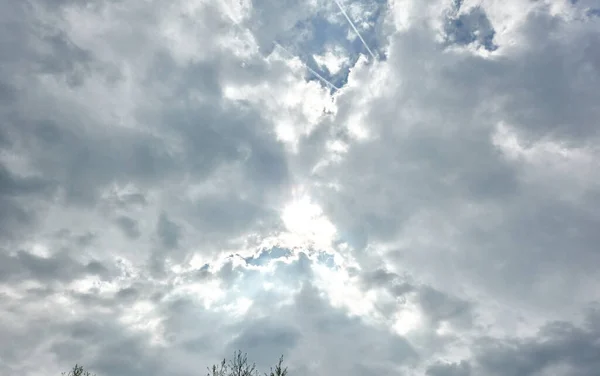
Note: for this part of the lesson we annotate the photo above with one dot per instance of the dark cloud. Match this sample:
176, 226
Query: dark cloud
168, 231
128, 293
441, 307
129, 226
7, 93
265, 340
449, 369
15, 192
331, 328
59, 267
558, 346
551, 80
13, 217
119, 351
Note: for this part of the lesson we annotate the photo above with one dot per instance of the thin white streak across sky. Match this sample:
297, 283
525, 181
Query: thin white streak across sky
309, 68
323, 79
355, 29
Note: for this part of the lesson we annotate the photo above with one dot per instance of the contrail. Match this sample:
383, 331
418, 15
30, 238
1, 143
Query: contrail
290, 54
355, 29
309, 68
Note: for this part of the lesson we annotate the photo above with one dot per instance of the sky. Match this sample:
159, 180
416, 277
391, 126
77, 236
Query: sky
366, 187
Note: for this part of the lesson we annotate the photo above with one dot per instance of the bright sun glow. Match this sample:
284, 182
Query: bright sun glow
407, 319
306, 221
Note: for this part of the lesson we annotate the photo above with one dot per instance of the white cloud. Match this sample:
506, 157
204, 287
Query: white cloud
172, 187
333, 59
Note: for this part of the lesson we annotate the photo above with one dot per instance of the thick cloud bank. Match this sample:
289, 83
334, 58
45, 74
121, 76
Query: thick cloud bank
179, 179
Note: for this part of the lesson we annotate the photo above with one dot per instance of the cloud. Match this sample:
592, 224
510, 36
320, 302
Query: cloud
167, 231
449, 369
405, 186
173, 188
559, 348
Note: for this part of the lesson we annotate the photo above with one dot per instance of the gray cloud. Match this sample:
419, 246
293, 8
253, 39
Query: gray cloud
118, 354
128, 226
427, 162
148, 154
167, 231
449, 369
560, 348
265, 340
58, 268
